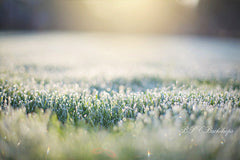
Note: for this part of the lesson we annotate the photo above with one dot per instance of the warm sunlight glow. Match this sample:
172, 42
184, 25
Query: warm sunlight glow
190, 3
127, 15
124, 15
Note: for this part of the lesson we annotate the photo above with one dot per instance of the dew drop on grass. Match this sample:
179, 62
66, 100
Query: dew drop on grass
48, 150
149, 153
18, 144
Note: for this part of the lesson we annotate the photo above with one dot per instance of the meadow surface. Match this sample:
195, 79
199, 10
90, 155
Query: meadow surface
108, 96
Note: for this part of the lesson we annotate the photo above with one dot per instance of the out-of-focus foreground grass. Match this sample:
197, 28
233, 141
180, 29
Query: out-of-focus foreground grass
41, 136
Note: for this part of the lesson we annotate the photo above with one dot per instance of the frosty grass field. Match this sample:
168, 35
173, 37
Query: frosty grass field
96, 96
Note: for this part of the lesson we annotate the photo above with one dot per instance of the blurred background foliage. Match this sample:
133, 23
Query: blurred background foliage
215, 17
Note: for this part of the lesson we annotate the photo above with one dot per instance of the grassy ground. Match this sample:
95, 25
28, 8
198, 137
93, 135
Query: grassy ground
101, 96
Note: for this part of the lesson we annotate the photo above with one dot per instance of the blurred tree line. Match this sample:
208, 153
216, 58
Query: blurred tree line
219, 17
